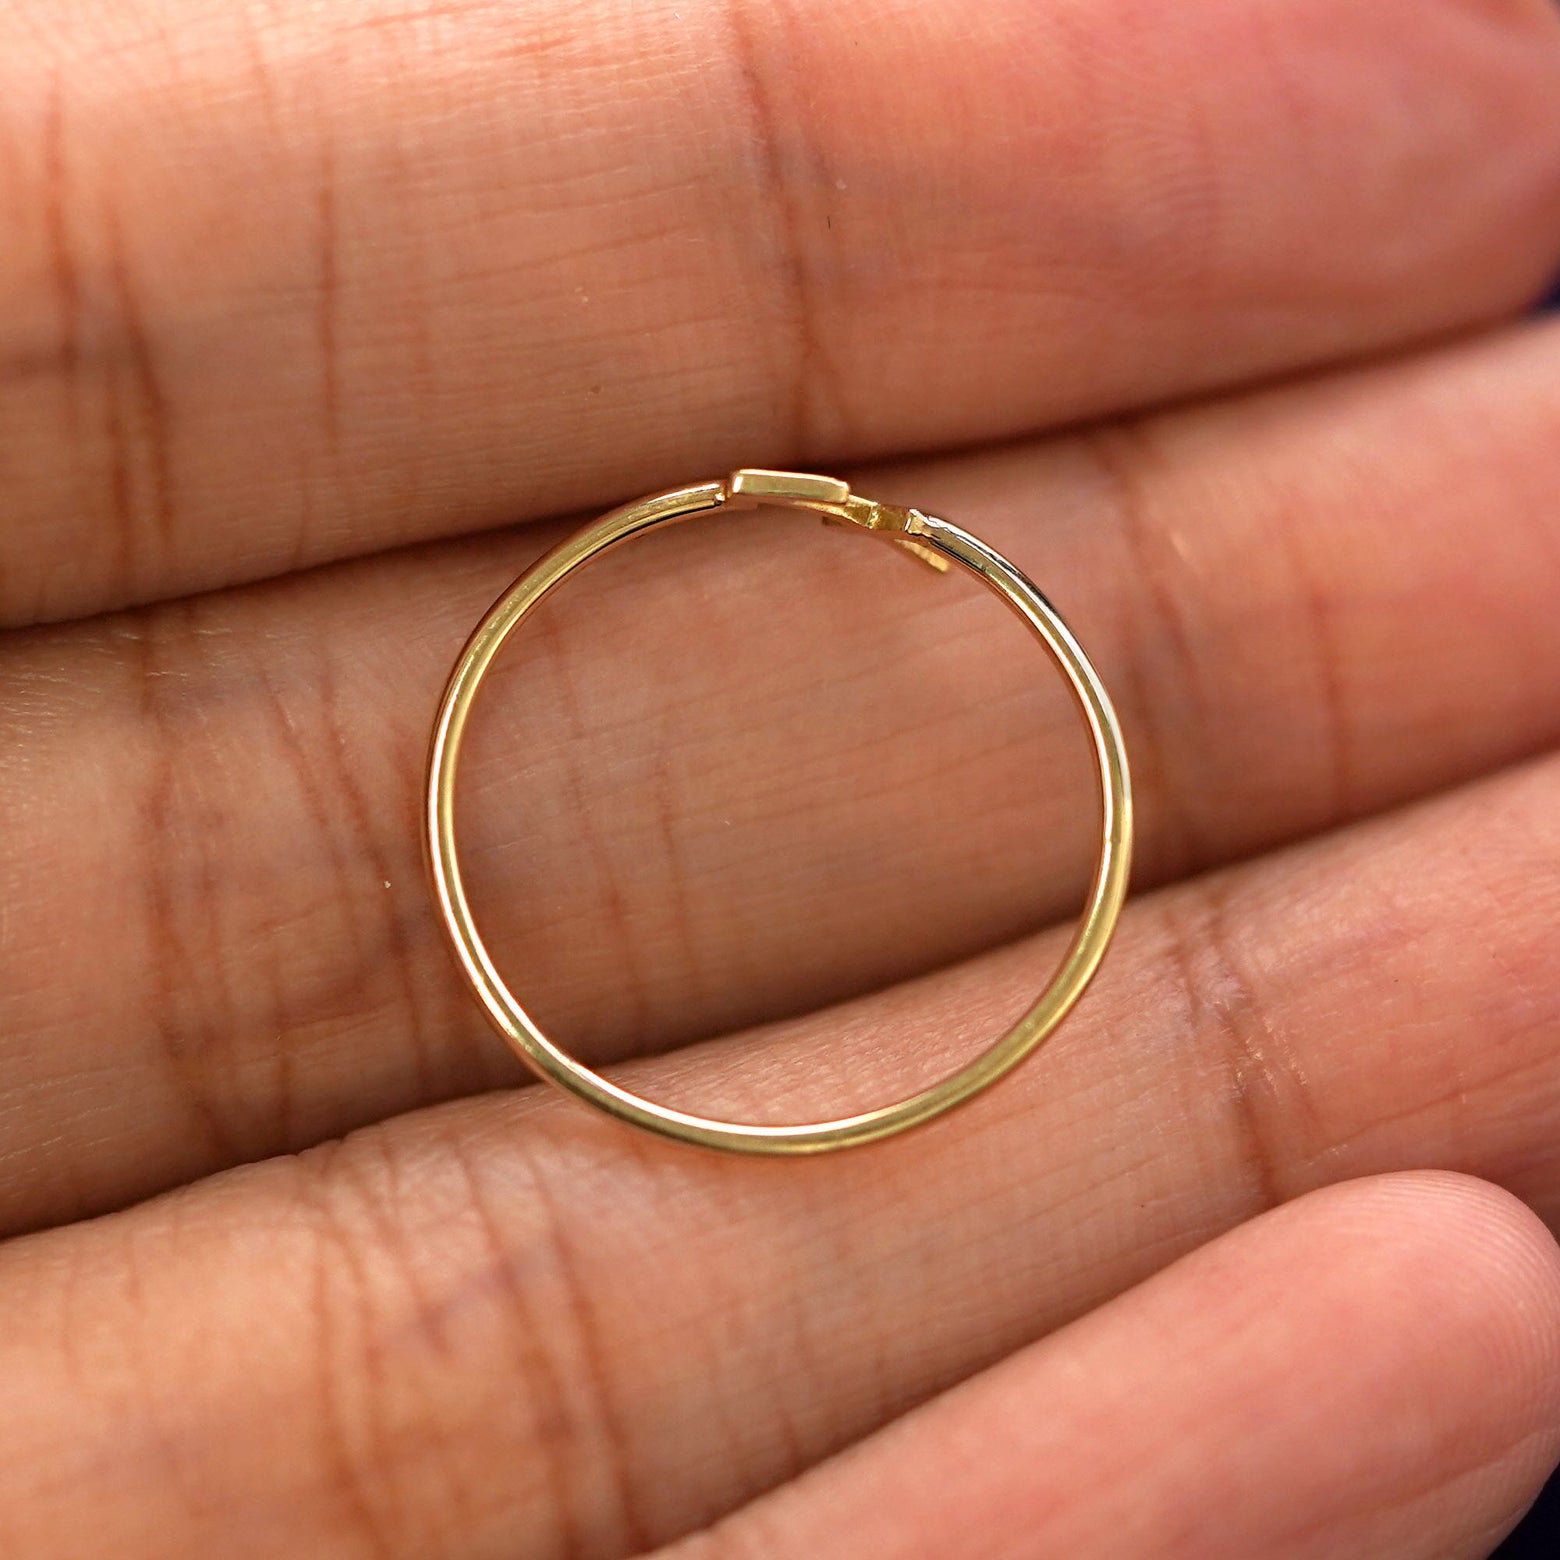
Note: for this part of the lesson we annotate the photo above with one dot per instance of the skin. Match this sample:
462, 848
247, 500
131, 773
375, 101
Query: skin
318, 323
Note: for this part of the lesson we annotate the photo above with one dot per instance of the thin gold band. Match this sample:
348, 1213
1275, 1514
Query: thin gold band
934, 542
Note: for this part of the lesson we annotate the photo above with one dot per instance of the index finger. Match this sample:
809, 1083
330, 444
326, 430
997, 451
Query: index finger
287, 282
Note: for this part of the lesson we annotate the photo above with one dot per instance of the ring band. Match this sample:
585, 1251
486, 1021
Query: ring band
936, 543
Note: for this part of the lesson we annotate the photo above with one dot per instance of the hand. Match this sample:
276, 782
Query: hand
781, 824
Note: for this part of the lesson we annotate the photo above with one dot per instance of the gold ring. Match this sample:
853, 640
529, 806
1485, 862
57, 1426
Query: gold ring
936, 543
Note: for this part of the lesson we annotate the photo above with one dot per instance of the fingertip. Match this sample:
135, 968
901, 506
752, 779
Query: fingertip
1462, 1240
1464, 1262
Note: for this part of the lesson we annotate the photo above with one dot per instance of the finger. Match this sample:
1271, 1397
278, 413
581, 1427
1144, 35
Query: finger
723, 789
1374, 1370
285, 283
508, 1320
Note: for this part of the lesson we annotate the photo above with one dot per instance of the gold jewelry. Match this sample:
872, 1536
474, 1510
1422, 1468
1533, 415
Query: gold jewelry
934, 542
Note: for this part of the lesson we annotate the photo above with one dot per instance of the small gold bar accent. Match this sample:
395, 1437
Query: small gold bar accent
833, 500
786, 487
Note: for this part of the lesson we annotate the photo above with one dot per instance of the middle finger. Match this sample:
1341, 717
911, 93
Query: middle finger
719, 791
